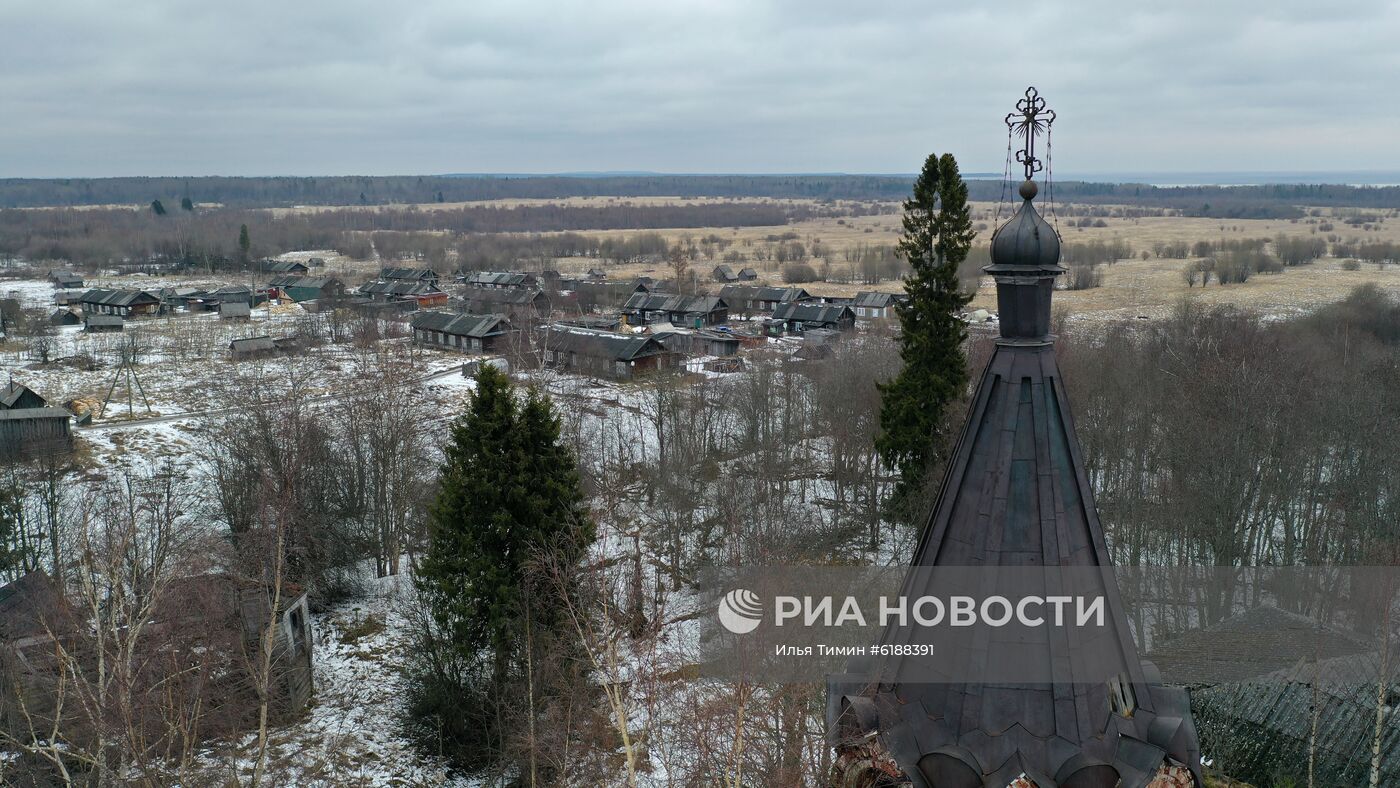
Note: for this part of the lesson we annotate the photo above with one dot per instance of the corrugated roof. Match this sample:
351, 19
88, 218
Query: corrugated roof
662, 302
399, 287
116, 297
736, 293
500, 278
466, 325
500, 295
602, 344
812, 312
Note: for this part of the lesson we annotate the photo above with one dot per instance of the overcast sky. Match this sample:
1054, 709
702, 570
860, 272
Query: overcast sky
307, 87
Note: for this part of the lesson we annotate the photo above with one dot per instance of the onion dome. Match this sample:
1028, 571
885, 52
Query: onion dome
1025, 262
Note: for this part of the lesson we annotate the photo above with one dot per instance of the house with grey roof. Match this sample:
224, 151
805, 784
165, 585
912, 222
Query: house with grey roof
691, 311
63, 278
750, 299
869, 305
409, 275
123, 303
796, 317
464, 332
501, 279
235, 310
604, 353
519, 304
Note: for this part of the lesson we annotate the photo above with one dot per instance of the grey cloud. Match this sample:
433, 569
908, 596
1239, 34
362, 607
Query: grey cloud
313, 87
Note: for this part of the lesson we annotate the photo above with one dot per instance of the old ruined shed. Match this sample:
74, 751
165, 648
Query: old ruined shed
65, 317
235, 310
251, 347
29, 427
1016, 495
97, 324
467, 333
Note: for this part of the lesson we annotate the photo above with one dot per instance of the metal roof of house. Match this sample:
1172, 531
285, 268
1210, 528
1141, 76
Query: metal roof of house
117, 297
736, 293
602, 344
421, 274
812, 312
285, 267
235, 309
400, 287
663, 302
11, 394
874, 300
308, 282
466, 325
501, 278
501, 295
104, 320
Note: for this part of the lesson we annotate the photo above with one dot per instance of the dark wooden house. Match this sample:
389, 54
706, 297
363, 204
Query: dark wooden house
794, 317
604, 354
876, 306
749, 299
502, 279
520, 304
65, 317
464, 332
703, 342
285, 267
122, 303
409, 275
65, 279
425, 294
307, 288
689, 311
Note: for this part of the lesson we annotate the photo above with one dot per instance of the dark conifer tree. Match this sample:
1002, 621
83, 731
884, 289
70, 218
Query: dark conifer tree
244, 244
937, 236
509, 511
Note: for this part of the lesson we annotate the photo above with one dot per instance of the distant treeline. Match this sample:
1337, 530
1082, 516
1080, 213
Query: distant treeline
102, 235
1275, 201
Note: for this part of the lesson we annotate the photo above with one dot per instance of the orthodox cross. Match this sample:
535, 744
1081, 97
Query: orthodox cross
1030, 119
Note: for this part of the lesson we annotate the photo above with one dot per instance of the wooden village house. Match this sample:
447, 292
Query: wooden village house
690, 311
65, 279
409, 275
122, 303
749, 299
464, 332
501, 279
307, 288
796, 317
520, 304
604, 354
423, 294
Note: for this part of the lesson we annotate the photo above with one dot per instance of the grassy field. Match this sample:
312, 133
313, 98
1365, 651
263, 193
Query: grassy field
1131, 288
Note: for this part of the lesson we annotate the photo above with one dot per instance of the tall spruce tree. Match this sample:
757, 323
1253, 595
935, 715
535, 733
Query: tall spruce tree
509, 495
937, 236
